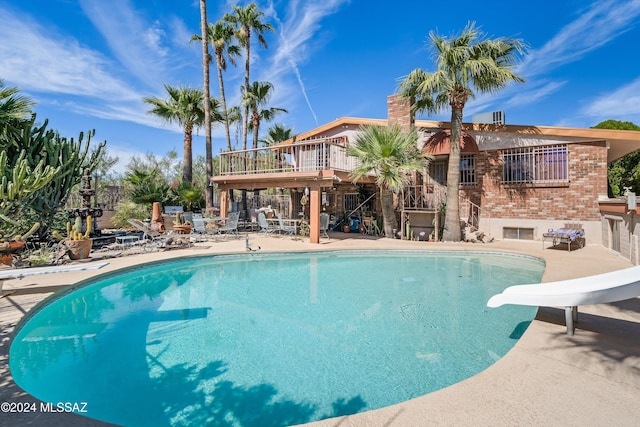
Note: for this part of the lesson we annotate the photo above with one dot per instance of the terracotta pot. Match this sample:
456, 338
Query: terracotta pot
78, 249
6, 255
182, 229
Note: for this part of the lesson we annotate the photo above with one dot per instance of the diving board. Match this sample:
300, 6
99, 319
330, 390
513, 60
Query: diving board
19, 273
602, 288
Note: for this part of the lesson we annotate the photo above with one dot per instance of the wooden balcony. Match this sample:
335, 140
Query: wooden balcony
423, 198
304, 156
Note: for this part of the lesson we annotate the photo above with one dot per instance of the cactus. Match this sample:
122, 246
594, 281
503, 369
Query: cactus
42, 168
10, 237
74, 232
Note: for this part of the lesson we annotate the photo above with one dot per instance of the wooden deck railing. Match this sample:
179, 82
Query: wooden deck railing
303, 156
420, 197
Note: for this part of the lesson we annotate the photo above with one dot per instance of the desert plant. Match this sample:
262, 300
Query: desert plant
74, 232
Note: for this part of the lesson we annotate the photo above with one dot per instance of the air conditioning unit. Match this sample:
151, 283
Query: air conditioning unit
493, 118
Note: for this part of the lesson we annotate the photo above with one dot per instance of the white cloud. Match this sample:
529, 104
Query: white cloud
295, 34
52, 63
623, 102
598, 25
138, 45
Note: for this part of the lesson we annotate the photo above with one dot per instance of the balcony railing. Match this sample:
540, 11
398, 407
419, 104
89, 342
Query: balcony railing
419, 197
304, 156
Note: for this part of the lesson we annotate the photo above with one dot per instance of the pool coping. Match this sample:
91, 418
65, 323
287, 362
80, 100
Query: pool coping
512, 391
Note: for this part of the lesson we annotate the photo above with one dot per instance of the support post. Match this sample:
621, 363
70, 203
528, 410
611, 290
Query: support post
570, 316
224, 203
314, 215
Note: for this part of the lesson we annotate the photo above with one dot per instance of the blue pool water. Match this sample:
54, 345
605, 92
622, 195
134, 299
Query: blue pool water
270, 340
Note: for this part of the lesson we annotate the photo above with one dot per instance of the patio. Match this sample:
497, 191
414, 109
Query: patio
548, 378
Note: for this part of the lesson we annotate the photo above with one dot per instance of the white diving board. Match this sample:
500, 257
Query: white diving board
602, 288
19, 273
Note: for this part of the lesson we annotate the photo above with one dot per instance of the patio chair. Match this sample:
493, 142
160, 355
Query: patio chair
265, 227
285, 228
324, 224
231, 227
156, 239
199, 231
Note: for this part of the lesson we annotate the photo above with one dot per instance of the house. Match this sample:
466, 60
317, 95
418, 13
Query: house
516, 181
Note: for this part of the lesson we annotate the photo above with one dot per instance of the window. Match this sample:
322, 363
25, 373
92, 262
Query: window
350, 202
535, 165
517, 233
467, 169
438, 170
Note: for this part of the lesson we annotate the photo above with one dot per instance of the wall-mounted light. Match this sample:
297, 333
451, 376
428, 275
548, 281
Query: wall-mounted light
306, 190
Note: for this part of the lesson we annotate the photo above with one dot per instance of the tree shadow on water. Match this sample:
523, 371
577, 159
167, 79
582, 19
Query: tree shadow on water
194, 401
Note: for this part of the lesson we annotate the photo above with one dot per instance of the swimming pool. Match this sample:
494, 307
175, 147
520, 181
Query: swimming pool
270, 339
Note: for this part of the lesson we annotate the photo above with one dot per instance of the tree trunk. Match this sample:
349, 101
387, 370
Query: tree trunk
452, 231
187, 164
223, 101
207, 105
245, 116
388, 213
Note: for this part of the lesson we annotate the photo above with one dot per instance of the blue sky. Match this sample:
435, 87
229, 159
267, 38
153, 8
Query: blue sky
89, 63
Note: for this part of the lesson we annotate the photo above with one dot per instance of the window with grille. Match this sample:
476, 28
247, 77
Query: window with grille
438, 170
350, 202
548, 165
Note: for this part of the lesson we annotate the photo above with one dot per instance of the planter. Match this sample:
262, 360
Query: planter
6, 255
182, 229
78, 249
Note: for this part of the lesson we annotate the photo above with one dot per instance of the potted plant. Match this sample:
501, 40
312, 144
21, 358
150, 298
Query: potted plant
180, 226
14, 243
346, 222
78, 244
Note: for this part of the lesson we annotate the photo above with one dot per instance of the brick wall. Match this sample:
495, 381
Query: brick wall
577, 201
399, 111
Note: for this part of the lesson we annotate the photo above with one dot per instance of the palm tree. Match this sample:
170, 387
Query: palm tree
13, 108
221, 36
466, 63
276, 134
247, 20
206, 59
390, 155
185, 107
254, 100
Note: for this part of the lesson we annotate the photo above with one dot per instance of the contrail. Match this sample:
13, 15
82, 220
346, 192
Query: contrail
292, 63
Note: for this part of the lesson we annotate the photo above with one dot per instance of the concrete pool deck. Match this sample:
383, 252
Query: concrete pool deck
548, 378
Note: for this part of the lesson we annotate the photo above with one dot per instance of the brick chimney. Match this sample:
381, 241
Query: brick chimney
399, 111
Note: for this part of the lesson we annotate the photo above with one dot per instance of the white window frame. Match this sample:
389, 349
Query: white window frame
547, 164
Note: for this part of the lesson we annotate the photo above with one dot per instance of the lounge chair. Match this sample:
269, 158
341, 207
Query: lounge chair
602, 288
19, 273
265, 227
231, 227
285, 228
156, 239
324, 224
569, 234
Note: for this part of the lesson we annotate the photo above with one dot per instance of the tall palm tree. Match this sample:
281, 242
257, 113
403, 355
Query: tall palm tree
389, 154
184, 106
465, 64
206, 60
248, 20
221, 36
254, 100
